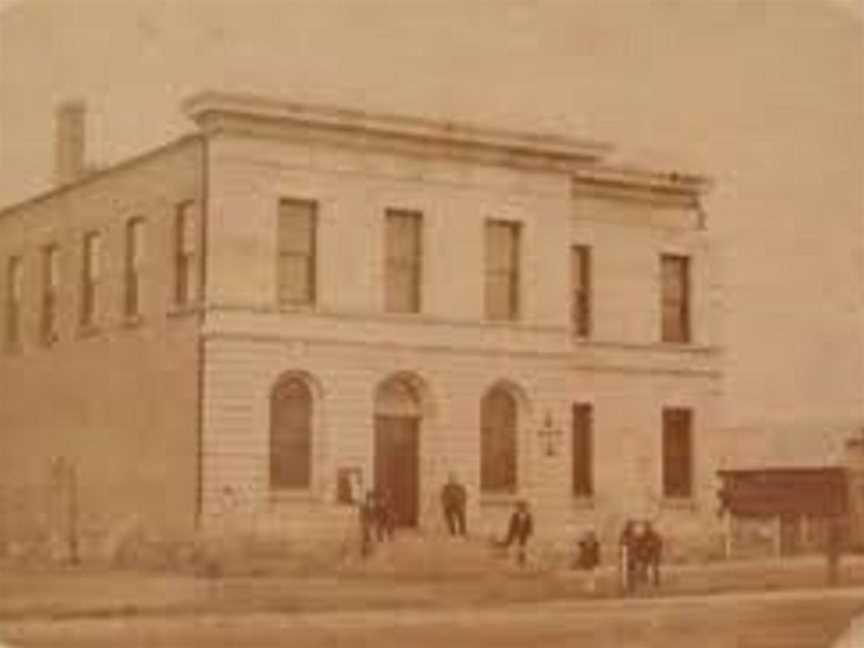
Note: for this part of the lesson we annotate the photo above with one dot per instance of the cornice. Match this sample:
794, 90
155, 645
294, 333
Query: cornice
221, 112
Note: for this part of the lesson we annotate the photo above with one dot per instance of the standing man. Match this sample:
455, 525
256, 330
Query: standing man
652, 552
521, 528
589, 559
626, 557
453, 499
366, 509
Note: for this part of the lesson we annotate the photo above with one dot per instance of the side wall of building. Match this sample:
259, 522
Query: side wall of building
118, 400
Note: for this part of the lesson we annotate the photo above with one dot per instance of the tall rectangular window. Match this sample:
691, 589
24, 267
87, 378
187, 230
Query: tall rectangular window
132, 267
297, 251
14, 296
675, 298
502, 270
185, 239
580, 285
50, 290
677, 452
583, 450
404, 261
90, 274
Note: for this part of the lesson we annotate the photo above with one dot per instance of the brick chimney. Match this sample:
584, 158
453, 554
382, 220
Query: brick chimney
69, 142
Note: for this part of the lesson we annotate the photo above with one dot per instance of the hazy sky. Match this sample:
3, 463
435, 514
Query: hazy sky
765, 96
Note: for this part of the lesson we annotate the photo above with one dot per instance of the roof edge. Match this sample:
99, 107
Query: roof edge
94, 175
198, 107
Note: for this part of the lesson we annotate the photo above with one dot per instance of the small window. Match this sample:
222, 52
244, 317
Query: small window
14, 296
296, 281
498, 452
91, 271
675, 299
580, 285
290, 435
404, 261
583, 450
185, 245
502, 270
50, 292
133, 264
677, 453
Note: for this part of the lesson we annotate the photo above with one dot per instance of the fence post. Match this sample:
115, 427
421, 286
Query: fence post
72, 484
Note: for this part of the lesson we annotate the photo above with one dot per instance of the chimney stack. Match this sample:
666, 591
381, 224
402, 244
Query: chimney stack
69, 142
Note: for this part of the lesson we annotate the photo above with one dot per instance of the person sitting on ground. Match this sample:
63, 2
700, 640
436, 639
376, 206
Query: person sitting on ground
520, 529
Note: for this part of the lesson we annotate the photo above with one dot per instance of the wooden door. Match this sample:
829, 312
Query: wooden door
397, 465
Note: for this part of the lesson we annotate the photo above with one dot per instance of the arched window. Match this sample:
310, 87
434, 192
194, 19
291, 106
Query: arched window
498, 422
290, 434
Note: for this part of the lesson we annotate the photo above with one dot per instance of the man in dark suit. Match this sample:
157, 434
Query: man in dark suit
453, 499
520, 530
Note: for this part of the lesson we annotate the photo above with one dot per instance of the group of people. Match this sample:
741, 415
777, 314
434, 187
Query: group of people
377, 519
640, 545
641, 551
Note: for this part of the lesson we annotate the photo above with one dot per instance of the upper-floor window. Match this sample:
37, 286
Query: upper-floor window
132, 267
296, 281
50, 292
580, 286
583, 450
14, 296
185, 239
90, 276
404, 261
502, 270
675, 298
677, 452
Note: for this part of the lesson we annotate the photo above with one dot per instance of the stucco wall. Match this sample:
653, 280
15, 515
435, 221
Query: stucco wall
347, 346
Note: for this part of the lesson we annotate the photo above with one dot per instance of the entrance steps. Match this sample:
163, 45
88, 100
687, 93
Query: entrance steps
413, 553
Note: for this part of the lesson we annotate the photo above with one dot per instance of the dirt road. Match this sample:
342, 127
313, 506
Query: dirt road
792, 619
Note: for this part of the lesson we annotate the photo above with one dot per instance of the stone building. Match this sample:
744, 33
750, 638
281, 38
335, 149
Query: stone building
294, 295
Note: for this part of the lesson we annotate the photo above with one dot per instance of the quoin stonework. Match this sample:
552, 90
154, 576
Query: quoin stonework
295, 302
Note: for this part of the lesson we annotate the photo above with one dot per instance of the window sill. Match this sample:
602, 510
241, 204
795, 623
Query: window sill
89, 331
283, 307
679, 504
292, 496
132, 321
184, 310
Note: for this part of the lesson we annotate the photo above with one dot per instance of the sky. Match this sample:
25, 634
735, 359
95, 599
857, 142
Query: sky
766, 97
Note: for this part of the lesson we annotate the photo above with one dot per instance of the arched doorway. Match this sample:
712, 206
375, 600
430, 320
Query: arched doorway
398, 414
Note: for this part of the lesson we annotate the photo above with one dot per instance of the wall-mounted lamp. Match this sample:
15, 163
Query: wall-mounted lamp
550, 436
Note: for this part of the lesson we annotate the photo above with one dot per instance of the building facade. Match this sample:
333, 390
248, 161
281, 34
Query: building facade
297, 297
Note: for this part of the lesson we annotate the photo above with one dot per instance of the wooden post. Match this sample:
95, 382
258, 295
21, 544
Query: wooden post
72, 485
778, 536
804, 533
728, 537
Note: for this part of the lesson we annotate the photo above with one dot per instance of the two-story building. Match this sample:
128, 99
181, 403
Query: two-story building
292, 296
